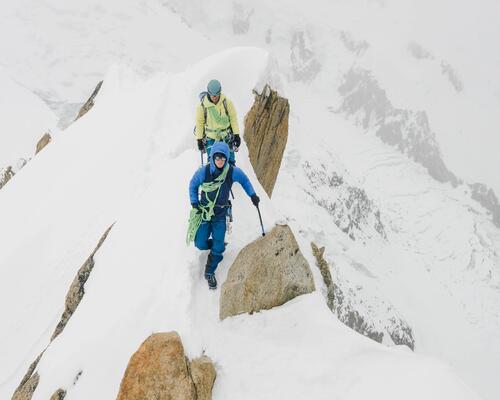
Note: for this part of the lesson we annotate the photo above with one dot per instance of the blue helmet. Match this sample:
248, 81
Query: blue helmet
214, 87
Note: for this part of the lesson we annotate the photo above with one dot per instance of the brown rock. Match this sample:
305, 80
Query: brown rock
90, 102
159, 371
60, 394
77, 289
30, 380
203, 374
325, 273
6, 175
266, 134
267, 273
26, 390
44, 141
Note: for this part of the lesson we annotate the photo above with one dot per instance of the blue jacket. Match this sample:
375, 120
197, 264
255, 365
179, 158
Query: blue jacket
209, 172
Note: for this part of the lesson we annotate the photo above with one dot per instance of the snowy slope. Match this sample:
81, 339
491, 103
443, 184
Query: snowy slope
146, 279
24, 120
62, 50
416, 258
425, 60
434, 267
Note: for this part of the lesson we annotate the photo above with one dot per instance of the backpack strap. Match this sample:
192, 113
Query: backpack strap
202, 96
208, 175
231, 134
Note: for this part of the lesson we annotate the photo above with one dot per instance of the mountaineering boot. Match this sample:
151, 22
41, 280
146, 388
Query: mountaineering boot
207, 267
212, 282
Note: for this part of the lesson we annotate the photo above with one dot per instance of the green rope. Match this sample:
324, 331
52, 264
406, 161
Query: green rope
194, 224
207, 212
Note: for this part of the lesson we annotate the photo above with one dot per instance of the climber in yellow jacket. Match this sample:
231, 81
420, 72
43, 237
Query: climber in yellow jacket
216, 121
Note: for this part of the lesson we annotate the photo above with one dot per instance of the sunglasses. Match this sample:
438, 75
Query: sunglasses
218, 157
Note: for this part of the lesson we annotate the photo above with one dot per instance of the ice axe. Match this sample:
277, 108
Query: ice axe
260, 219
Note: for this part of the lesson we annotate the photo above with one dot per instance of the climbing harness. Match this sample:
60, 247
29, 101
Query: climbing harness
205, 213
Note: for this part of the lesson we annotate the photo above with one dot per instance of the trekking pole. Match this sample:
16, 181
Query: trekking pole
201, 155
260, 218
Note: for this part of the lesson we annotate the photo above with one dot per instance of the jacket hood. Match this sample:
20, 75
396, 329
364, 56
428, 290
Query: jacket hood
218, 147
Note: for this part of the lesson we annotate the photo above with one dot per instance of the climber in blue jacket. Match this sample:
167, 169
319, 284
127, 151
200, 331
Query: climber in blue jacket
215, 180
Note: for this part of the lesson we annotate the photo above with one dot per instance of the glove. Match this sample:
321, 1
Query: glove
201, 145
196, 206
255, 200
236, 141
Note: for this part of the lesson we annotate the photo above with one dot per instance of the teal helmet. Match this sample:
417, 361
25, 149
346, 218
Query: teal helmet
214, 88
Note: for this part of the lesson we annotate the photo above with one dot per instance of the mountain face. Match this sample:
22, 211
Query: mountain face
24, 119
409, 131
411, 244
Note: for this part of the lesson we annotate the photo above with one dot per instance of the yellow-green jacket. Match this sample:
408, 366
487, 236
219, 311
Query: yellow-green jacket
217, 120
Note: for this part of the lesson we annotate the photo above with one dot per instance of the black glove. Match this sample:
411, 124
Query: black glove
236, 141
255, 200
201, 145
196, 206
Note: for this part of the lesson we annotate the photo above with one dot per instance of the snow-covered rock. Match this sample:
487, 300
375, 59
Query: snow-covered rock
44, 141
90, 102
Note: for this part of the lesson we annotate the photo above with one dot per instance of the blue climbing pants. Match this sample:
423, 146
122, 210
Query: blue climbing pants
217, 230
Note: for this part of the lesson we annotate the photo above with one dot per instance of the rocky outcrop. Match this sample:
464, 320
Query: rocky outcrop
160, 370
267, 273
452, 75
349, 206
304, 64
73, 298
266, 134
77, 288
488, 199
203, 374
325, 273
358, 47
407, 130
385, 321
370, 316
6, 175
44, 141
60, 394
25, 390
90, 102
29, 382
